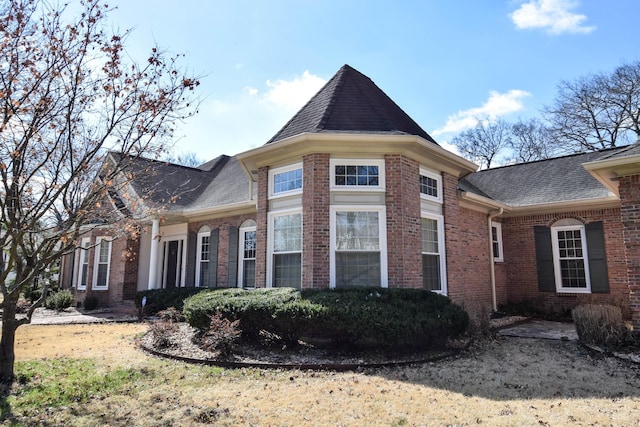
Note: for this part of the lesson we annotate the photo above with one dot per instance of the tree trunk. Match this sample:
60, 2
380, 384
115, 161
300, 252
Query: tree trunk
7, 342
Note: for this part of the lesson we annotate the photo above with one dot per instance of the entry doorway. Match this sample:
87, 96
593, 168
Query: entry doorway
173, 254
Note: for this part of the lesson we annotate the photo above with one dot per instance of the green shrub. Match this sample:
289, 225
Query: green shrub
361, 317
161, 299
600, 324
90, 302
59, 300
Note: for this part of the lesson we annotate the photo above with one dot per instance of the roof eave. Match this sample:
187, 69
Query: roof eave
480, 203
354, 144
609, 171
607, 202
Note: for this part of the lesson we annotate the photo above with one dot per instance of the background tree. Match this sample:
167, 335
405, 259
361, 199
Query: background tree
485, 142
531, 140
598, 111
67, 99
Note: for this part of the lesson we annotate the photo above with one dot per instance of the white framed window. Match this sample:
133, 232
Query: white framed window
358, 254
202, 257
82, 274
286, 180
434, 266
496, 241
247, 257
357, 174
571, 266
430, 185
101, 263
284, 266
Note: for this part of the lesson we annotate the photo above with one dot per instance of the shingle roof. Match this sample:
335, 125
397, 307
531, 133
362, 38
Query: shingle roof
218, 182
351, 103
554, 180
628, 151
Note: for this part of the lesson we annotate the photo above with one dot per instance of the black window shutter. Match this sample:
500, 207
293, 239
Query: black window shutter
597, 258
192, 247
233, 256
213, 258
544, 259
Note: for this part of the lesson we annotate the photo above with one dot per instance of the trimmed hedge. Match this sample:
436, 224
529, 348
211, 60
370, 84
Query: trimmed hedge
161, 299
357, 317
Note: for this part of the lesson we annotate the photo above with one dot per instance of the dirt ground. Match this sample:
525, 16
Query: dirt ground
499, 382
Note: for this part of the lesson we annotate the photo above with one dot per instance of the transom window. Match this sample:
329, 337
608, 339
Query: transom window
286, 180
360, 174
359, 241
433, 265
286, 250
430, 185
570, 258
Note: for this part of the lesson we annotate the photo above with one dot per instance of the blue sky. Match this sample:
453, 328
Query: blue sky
445, 62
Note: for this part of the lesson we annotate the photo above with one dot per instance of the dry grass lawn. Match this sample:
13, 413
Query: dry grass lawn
506, 382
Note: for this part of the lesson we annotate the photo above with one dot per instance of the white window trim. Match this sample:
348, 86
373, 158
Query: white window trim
498, 227
85, 244
357, 162
201, 234
438, 179
96, 262
276, 171
556, 259
241, 233
441, 249
382, 229
270, 238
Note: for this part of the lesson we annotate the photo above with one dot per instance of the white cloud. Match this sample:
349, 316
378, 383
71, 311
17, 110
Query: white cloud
247, 119
554, 16
498, 104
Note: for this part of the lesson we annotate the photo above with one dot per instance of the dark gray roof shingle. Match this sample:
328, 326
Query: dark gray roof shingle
554, 180
351, 103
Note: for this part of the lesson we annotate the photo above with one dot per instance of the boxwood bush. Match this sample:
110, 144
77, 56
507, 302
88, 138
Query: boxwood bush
357, 317
161, 299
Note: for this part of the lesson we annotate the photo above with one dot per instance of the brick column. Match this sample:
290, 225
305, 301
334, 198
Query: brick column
315, 221
629, 187
403, 222
261, 227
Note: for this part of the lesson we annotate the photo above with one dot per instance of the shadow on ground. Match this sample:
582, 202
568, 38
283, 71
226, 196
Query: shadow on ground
509, 368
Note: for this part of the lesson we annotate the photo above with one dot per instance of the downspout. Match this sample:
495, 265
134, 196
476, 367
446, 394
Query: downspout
490, 217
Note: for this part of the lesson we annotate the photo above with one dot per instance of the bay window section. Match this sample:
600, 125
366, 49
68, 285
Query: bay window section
357, 174
359, 256
433, 262
286, 249
285, 180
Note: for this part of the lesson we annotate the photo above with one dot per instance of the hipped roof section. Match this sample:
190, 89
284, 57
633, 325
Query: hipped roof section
351, 103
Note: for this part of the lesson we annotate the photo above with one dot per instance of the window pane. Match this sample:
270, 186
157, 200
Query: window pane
431, 272
204, 274
573, 273
204, 248
250, 244
357, 269
287, 233
428, 186
102, 275
287, 181
287, 270
249, 273
360, 175
430, 235
357, 231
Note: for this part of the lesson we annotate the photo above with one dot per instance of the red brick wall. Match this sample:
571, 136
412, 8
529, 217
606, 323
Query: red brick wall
261, 227
222, 224
467, 245
630, 216
520, 260
315, 221
403, 222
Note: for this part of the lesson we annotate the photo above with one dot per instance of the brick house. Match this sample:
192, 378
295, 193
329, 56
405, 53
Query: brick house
352, 192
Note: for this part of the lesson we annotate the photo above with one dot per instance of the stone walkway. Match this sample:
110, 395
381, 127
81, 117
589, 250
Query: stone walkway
541, 329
